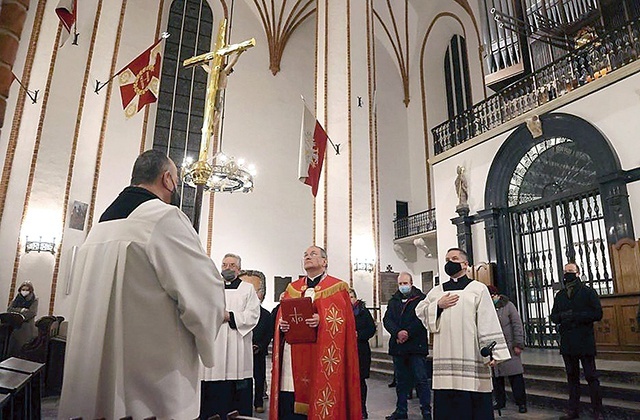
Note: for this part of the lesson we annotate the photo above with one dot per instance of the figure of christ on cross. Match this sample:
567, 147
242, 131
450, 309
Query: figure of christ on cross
214, 63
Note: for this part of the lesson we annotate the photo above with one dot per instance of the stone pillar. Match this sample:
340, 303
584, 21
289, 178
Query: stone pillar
463, 223
13, 14
345, 210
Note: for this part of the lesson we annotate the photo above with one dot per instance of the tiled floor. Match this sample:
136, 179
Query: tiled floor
381, 402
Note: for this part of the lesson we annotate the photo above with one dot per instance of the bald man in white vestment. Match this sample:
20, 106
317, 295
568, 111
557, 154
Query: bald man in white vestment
228, 386
150, 303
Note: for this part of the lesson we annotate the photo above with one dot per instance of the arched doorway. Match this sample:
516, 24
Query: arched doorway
555, 199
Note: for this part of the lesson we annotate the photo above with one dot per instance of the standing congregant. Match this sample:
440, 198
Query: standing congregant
228, 386
575, 309
149, 305
463, 320
409, 346
317, 380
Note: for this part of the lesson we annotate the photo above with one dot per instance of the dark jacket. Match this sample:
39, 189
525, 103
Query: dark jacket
402, 316
575, 317
366, 328
262, 333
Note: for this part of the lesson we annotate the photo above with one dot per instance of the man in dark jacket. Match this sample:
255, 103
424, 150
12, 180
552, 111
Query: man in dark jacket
575, 309
409, 347
262, 335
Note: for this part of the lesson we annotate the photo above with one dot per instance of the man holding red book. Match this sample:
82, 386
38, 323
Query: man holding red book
319, 379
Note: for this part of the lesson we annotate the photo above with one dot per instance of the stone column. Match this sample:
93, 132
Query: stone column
345, 209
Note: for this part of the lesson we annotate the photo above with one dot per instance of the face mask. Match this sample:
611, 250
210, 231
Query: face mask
228, 275
452, 268
569, 277
495, 299
404, 289
24, 293
175, 196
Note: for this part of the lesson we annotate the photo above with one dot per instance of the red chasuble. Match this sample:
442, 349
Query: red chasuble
325, 373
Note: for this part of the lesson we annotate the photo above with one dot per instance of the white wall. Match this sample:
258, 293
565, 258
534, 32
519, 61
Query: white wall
606, 109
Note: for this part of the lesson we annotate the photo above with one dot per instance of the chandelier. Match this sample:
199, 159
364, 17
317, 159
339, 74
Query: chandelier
223, 174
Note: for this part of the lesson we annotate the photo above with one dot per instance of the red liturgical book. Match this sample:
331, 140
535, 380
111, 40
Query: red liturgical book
295, 311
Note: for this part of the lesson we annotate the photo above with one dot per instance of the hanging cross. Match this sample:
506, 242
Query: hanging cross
213, 63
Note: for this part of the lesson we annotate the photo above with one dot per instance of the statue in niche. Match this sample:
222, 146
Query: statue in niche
462, 188
535, 126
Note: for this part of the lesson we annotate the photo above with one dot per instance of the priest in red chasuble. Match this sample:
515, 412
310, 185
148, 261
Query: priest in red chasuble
317, 380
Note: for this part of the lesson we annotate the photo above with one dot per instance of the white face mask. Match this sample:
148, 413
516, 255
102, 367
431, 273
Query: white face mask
24, 293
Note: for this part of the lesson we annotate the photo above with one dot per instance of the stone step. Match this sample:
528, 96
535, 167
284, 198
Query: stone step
613, 390
555, 398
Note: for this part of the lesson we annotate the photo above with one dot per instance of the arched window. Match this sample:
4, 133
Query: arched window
552, 205
456, 70
183, 91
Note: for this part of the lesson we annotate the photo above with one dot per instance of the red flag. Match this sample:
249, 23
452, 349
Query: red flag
313, 143
66, 12
140, 80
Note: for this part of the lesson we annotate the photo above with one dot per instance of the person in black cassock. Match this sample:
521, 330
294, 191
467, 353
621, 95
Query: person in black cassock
262, 335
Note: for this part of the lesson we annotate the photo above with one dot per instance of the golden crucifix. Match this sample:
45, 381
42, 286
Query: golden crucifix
214, 63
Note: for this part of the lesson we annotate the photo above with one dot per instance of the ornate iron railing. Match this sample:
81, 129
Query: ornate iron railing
422, 222
609, 52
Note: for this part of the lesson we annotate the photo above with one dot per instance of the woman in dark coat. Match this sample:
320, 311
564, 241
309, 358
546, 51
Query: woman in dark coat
513, 331
365, 328
26, 304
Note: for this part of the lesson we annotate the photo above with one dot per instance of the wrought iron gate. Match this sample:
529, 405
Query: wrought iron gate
545, 237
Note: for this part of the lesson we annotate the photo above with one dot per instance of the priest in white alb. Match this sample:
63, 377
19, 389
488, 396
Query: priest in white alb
461, 316
228, 386
149, 305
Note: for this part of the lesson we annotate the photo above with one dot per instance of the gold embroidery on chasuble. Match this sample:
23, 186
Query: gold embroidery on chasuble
335, 320
326, 401
330, 360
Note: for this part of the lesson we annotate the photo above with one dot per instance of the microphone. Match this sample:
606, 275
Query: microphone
488, 350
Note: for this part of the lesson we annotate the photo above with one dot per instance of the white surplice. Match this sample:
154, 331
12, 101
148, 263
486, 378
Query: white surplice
458, 335
150, 301
233, 357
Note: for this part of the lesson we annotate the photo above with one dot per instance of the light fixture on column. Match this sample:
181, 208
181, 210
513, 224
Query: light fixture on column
364, 264
40, 245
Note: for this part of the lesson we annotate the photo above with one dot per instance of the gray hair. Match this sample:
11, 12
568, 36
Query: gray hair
237, 257
149, 166
260, 275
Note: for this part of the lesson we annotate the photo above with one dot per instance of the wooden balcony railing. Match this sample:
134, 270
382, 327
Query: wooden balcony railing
415, 224
610, 51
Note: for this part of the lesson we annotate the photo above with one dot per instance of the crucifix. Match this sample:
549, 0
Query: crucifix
214, 63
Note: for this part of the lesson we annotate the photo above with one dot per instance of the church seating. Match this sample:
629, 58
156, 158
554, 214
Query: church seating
37, 349
9, 321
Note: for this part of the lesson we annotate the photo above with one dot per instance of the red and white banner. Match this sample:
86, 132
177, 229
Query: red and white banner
313, 144
140, 80
66, 12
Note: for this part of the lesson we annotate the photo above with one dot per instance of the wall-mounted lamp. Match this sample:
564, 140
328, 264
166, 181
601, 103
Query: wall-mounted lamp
363, 265
40, 245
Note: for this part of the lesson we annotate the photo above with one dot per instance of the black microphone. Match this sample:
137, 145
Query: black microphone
488, 350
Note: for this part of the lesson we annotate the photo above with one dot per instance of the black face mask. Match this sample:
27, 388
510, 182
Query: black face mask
452, 268
175, 196
228, 275
569, 277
